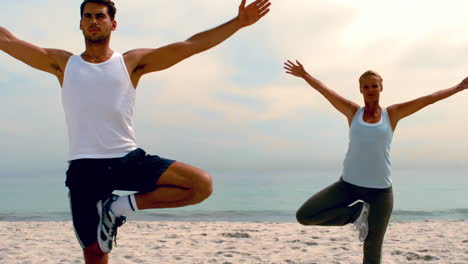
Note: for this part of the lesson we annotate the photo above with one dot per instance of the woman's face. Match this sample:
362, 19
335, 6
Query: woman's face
371, 88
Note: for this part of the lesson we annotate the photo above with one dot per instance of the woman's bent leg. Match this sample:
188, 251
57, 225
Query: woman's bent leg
329, 207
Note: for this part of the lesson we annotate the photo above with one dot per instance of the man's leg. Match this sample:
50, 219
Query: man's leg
94, 255
159, 182
85, 221
180, 185
86, 188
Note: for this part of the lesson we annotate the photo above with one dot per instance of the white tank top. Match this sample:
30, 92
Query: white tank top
367, 162
98, 100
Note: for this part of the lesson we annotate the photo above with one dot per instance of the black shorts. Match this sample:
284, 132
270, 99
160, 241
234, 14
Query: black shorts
91, 180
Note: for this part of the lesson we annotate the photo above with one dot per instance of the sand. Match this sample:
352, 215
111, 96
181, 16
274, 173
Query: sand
444, 242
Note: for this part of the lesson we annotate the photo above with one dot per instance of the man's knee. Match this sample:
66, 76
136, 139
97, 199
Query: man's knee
203, 188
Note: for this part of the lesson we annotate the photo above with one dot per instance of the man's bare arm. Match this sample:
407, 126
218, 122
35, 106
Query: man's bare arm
49, 60
142, 61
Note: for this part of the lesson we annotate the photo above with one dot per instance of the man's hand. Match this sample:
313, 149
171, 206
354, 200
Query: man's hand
143, 61
5, 37
250, 14
464, 84
293, 69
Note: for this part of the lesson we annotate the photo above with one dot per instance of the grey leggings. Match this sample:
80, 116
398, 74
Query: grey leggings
330, 207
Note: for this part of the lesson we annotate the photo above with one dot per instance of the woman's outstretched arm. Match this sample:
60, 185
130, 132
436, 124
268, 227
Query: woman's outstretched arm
397, 112
345, 106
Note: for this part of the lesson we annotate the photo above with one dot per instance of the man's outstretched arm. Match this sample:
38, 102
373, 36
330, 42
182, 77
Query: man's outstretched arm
142, 61
49, 60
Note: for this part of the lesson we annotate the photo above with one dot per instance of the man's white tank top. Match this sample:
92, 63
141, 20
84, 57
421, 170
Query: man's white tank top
98, 100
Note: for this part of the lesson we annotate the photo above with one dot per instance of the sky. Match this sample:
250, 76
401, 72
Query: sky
233, 106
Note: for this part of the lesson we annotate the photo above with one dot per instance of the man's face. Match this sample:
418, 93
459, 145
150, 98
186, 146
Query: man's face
96, 23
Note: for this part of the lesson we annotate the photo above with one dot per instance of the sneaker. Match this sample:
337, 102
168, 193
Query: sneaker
361, 223
108, 224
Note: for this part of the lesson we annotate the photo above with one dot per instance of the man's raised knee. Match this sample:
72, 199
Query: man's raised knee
203, 188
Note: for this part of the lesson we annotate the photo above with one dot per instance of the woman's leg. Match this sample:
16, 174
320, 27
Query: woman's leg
330, 207
381, 206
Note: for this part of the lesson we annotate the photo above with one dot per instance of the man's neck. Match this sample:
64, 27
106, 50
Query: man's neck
97, 52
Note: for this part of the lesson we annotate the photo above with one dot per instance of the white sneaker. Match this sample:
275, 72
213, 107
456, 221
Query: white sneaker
361, 223
108, 224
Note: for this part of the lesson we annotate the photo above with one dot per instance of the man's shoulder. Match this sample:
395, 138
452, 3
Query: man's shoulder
133, 57
60, 56
60, 53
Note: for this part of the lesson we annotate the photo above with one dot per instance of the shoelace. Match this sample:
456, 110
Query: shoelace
118, 222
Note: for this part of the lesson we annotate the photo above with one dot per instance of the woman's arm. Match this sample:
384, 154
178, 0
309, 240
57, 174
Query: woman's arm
345, 106
397, 112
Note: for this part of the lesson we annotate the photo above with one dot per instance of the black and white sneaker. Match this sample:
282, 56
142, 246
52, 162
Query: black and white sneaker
361, 224
108, 224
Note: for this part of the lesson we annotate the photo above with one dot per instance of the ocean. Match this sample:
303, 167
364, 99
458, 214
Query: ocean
247, 195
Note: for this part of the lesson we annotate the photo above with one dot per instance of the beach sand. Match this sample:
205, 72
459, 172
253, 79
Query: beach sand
444, 242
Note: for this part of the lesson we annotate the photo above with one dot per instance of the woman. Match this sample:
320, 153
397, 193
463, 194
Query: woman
363, 195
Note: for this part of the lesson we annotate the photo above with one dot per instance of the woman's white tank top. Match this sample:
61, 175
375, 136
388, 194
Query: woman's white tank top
367, 162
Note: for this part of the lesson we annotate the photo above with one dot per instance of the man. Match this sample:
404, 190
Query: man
98, 92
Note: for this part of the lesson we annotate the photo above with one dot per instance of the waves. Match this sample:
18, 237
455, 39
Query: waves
451, 214
278, 216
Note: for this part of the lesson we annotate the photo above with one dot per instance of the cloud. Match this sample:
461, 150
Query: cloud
234, 105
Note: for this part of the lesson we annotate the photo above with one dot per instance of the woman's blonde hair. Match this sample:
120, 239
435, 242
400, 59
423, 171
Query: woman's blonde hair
371, 73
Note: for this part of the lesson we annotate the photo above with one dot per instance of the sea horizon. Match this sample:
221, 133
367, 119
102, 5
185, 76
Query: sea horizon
249, 195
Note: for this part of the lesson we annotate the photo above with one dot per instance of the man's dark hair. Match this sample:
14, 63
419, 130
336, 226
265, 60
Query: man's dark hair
111, 10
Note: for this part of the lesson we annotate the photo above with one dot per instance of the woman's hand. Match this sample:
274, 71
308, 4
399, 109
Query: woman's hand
293, 69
